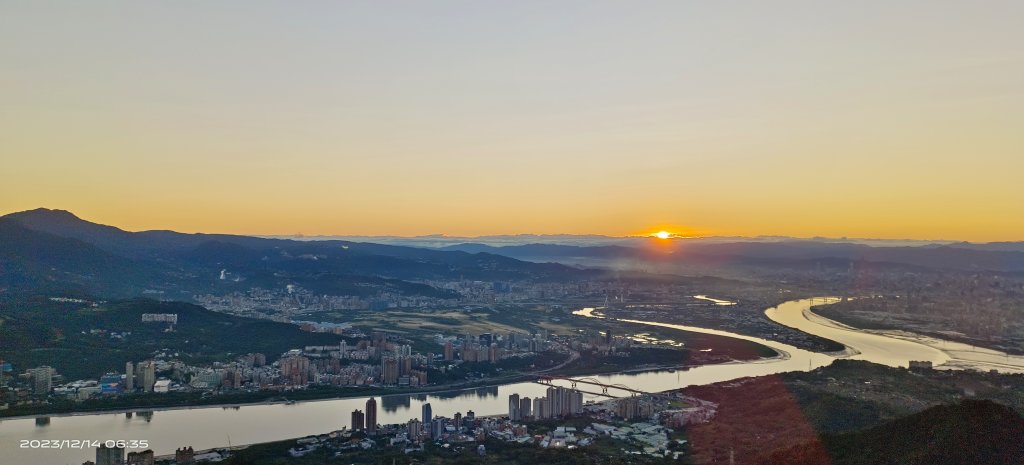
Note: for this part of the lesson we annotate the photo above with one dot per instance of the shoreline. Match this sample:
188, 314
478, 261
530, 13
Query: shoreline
361, 396
961, 356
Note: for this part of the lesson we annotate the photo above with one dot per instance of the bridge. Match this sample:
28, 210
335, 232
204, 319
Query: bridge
549, 381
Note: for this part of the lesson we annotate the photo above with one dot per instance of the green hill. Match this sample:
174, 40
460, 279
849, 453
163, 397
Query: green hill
78, 339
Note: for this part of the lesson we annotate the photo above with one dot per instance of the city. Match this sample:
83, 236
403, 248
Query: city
511, 233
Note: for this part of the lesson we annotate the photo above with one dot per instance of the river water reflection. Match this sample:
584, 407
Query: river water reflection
209, 427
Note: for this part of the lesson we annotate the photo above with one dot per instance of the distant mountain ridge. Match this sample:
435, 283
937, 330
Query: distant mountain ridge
54, 249
435, 241
108, 259
1001, 257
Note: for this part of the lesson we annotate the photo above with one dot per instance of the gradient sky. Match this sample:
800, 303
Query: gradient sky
861, 119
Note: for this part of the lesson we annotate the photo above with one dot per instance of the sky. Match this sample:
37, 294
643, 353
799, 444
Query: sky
818, 118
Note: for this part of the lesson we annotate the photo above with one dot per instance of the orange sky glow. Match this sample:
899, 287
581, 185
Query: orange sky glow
831, 119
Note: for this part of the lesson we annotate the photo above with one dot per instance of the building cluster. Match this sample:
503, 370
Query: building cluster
488, 347
137, 378
374, 361
651, 437
286, 304
291, 302
697, 411
622, 419
631, 408
412, 434
45, 380
559, 402
382, 359
182, 456
460, 431
116, 456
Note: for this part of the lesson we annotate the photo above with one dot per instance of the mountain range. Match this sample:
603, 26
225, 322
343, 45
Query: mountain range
996, 257
56, 250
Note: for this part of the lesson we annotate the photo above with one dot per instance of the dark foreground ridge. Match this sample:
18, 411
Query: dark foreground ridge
970, 432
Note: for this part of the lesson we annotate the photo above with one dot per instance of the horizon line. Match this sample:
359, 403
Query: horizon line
541, 235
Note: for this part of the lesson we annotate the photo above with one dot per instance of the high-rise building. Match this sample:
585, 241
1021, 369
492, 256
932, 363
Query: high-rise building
358, 420
140, 458
428, 413
129, 377
389, 370
371, 415
233, 378
554, 395
437, 428
404, 365
628, 408
295, 369
575, 406
485, 339
559, 401
42, 379
540, 408
146, 374
457, 419
184, 456
469, 351
109, 455
513, 408
415, 427
524, 408
449, 351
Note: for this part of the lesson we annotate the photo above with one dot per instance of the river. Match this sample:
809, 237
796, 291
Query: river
208, 427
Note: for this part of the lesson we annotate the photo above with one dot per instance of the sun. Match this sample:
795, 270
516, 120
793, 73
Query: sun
662, 234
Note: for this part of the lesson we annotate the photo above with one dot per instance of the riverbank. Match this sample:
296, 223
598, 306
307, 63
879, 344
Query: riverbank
879, 321
705, 350
296, 396
958, 355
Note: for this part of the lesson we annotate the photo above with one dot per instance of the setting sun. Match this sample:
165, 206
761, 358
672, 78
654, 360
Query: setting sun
663, 234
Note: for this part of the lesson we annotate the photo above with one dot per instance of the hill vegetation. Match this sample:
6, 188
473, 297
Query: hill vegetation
83, 340
978, 432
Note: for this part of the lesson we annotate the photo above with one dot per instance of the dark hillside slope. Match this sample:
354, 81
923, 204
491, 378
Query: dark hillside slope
238, 250
976, 432
31, 260
178, 265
